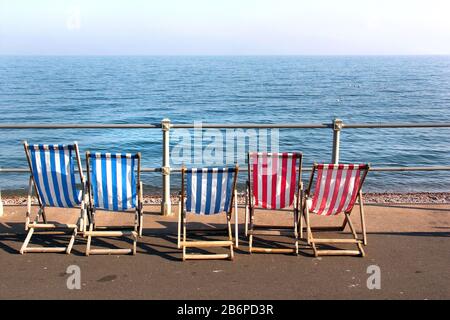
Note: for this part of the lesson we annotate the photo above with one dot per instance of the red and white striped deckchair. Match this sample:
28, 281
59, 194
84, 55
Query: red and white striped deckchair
336, 190
273, 184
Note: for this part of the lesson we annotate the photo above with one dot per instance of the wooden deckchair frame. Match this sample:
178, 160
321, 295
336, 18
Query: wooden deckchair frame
252, 229
182, 227
359, 242
134, 231
37, 227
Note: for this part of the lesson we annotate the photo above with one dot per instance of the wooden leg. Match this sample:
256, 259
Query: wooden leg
136, 220
141, 224
138, 224
44, 217
296, 230
27, 240
250, 238
310, 239
342, 228
86, 220
301, 224
363, 222
306, 224
295, 223
184, 238
89, 239
82, 225
236, 220
134, 244
313, 245
83, 219
247, 208
231, 253
230, 233
141, 208
230, 237
72, 241
30, 193
179, 226
246, 220
308, 227
350, 224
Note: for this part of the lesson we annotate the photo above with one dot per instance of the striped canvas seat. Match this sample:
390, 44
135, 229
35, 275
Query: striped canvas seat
209, 190
273, 179
113, 180
336, 188
53, 171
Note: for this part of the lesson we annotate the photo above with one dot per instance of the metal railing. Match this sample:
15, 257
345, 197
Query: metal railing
166, 126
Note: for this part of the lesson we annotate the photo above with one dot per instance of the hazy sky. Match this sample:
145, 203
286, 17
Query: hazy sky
178, 27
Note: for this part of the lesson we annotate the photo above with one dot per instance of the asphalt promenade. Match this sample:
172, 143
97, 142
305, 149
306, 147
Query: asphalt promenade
409, 243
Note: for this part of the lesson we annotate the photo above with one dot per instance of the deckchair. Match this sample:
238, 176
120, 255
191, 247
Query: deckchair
114, 185
207, 191
273, 184
336, 190
53, 180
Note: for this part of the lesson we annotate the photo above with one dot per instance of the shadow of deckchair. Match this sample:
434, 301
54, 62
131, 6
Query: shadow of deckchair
12, 228
39, 240
15, 232
280, 244
160, 244
13, 238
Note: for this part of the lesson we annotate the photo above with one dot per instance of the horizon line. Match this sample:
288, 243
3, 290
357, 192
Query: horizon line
227, 55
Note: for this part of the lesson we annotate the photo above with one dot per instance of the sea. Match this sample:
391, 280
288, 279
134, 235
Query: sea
234, 89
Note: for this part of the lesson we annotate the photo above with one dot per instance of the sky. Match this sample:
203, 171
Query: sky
224, 27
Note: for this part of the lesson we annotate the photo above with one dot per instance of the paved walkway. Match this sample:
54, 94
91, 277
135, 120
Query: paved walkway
410, 244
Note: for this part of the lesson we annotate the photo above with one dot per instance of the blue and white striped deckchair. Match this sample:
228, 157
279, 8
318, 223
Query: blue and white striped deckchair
114, 185
54, 181
207, 191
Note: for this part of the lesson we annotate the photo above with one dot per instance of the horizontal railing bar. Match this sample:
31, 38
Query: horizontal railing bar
81, 126
244, 169
396, 125
223, 126
433, 168
252, 126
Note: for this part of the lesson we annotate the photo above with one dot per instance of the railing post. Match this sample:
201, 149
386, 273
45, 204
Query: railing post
337, 127
166, 205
